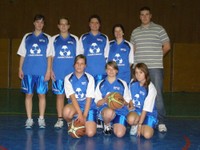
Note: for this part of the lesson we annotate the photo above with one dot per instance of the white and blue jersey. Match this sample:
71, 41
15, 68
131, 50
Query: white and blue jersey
82, 87
64, 51
143, 98
35, 50
95, 48
105, 87
122, 54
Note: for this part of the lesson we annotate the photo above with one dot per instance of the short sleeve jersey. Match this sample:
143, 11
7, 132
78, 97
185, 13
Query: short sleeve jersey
95, 48
143, 98
64, 51
104, 87
35, 50
122, 54
82, 87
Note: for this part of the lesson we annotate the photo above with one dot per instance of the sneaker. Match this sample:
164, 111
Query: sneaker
133, 130
29, 123
59, 124
107, 129
99, 124
41, 123
162, 128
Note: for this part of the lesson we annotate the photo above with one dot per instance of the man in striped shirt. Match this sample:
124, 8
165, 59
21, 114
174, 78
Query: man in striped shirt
151, 44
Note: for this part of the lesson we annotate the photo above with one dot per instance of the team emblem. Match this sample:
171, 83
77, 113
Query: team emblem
118, 59
35, 49
94, 48
64, 51
136, 101
79, 93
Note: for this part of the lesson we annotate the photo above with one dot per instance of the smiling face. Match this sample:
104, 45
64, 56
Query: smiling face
111, 69
94, 25
118, 32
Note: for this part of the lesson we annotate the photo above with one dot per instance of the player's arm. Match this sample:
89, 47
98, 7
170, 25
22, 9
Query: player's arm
130, 105
80, 46
48, 72
102, 101
131, 55
107, 48
99, 100
52, 72
20, 73
77, 107
87, 107
141, 120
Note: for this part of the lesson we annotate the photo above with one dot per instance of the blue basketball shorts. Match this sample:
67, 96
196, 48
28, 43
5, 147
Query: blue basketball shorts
58, 87
30, 83
149, 120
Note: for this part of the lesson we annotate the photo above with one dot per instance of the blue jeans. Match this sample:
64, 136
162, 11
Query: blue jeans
156, 76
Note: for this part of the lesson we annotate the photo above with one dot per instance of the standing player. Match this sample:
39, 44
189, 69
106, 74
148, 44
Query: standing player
151, 44
121, 51
35, 69
95, 46
64, 47
112, 84
143, 117
79, 88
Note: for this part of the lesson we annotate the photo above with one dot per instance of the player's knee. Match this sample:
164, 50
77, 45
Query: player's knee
119, 133
90, 133
148, 135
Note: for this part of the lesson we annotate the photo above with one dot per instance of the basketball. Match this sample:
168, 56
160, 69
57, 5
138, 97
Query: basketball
76, 129
115, 100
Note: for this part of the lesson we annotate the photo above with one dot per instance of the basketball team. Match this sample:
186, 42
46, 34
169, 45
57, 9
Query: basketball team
89, 71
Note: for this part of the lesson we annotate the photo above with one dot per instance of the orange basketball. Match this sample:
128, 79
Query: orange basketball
115, 100
76, 129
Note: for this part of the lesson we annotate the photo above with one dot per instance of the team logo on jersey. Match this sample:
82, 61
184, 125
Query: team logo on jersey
136, 101
94, 49
35, 50
79, 94
65, 52
118, 59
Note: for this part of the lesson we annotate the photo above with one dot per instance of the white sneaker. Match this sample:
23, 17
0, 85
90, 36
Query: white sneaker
29, 123
41, 123
133, 130
59, 124
162, 128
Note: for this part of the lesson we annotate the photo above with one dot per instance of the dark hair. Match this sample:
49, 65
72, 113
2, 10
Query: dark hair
145, 8
95, 16
118, 25
112, 64
80, 56
143, 67
65, 18
38, 17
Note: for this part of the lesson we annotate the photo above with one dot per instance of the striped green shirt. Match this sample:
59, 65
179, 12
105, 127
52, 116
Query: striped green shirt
148, 43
